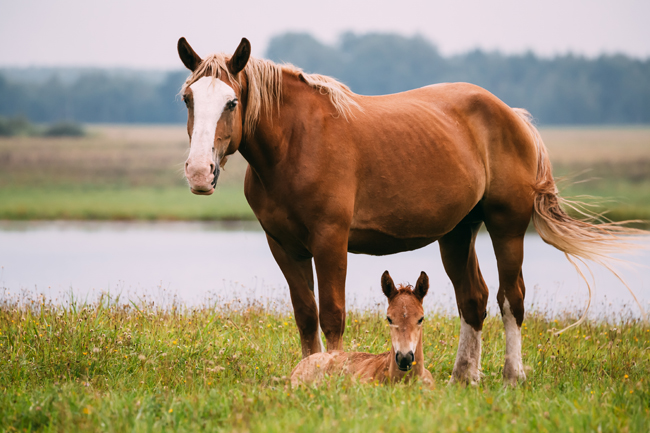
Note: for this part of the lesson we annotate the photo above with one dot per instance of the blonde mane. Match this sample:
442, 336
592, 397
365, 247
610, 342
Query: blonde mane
264, 83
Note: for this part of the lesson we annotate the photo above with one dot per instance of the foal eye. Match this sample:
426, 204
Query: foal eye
421, 320
389, 321
186, 99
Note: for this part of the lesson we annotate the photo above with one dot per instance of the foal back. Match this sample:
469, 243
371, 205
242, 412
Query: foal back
365, 367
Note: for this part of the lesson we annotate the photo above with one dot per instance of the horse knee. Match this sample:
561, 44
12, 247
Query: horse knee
512, 304
332, 322
306, 320
473, 308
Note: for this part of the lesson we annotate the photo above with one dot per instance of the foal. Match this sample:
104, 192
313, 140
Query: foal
406, 357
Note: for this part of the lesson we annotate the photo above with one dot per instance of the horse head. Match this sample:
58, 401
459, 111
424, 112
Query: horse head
214, 115
405, 316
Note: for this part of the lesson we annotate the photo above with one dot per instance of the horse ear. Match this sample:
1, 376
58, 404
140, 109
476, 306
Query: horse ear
387, 285
422, 286
190, 59
238, 60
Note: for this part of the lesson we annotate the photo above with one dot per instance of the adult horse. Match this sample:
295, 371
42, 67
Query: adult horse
331, 172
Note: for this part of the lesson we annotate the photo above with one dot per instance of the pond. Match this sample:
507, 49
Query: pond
194, 263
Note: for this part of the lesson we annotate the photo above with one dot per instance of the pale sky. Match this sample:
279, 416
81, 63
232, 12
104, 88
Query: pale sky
143, 34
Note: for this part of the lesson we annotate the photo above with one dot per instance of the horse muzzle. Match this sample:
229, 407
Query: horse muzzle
404, 361
202, 179
199, 192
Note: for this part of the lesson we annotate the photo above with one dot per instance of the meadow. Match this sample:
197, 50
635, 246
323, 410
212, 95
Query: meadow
111, 366
135, 173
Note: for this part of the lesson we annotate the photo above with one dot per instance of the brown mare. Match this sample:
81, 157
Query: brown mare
331, 172
404, 362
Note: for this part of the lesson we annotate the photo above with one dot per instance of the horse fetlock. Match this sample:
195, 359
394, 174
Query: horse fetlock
466, 371
513, 371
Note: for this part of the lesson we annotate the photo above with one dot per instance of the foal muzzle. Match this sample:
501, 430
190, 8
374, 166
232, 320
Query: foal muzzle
404, 361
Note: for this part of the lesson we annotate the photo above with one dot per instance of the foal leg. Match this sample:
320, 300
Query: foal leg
461, 265
300, 277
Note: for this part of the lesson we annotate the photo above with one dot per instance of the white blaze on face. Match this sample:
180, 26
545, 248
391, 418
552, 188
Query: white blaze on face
210, 97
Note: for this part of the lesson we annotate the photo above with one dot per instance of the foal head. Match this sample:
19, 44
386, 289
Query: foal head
405, 316
214, 115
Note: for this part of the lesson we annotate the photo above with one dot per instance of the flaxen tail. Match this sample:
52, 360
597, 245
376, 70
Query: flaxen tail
593, 238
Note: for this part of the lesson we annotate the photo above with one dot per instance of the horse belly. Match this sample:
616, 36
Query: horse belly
377, 243
404, 224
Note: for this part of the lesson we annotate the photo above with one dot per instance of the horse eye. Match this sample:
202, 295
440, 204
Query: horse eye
421, 320
230, 105
186, 99
389, 321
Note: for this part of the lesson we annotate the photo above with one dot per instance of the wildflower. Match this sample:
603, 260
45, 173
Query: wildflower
171, 410
625, 376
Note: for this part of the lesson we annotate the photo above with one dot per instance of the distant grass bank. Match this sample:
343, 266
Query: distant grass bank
114, 367
114, 203
135, 173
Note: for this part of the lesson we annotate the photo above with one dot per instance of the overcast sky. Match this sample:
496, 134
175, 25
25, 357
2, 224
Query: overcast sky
143, 34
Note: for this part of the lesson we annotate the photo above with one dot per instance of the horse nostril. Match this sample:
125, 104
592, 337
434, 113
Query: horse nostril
212, 167
404, 361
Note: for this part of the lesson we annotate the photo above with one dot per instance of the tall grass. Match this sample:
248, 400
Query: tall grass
114, 366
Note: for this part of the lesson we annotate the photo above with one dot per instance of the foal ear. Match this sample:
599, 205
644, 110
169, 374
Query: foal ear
238, 60
190, 59
422, 286
387, 285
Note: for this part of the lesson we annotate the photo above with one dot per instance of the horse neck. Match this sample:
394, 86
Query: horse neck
272, 138
395, 374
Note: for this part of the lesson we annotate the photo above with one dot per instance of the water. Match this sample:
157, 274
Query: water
199, 262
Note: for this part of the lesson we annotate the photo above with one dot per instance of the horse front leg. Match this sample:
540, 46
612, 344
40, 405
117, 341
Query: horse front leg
300, 277
330, 250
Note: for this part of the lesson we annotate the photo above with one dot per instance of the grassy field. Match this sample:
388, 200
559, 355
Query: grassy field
109, 366
135, 172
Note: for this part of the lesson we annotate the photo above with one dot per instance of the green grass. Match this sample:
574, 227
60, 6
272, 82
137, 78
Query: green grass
135, 172
109, 366
111, 203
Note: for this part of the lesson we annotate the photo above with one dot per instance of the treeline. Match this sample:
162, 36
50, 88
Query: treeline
95, 97
562, 90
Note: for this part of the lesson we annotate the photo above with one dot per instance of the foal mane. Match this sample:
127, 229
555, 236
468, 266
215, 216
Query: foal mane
264, 84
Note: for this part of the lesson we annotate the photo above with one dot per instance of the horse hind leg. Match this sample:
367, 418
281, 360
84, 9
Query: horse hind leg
461, 264
507, 236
